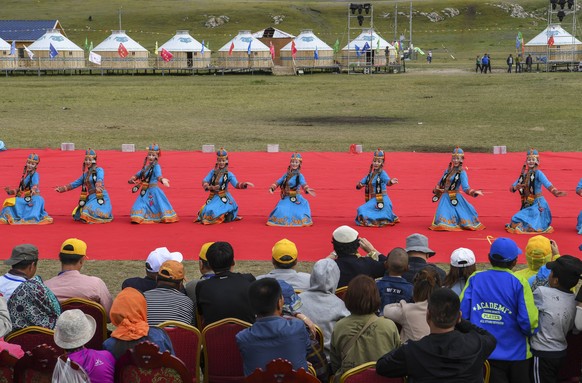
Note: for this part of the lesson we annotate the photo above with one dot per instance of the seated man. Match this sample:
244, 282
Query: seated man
70, 283
152, 266
271, 336
23, 262
453, 352
206, 272
166, 301
284, 260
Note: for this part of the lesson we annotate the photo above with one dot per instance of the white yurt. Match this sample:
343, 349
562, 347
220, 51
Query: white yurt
6, 60
69, 55
277, 37
244, 52
357, 53
187, 53
108, 49
307, 44
565, 48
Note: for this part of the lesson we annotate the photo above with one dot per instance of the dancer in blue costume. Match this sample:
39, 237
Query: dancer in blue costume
151, 206
377, 211
535, 216
454, 213
292, 209
220, 206
579, 192
94, 203
25, 206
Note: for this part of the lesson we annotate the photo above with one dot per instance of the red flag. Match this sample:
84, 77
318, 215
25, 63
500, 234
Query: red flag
167, 56
272, 49
231, 48
551, 41
293, 49
122, 51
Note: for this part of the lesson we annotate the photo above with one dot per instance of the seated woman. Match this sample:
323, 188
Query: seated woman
129, 313
412, 316
33, 304
363, 336
26, 206
462, 266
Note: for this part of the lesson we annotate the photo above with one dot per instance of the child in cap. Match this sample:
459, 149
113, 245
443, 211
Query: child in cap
462, 267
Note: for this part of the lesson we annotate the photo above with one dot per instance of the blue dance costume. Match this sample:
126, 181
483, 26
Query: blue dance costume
292, 209
26, 206
535, 216
453, 212
220, 206
579, 192
377, 211
152, 205
94, 203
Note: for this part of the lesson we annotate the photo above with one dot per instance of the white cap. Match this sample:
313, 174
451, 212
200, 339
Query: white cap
159, 256
462, 257
345, 234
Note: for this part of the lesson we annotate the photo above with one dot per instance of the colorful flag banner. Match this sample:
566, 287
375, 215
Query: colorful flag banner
202, 49
95, 58
378, 47
53, 51
518, 40
167, 56
293, 49
316, 54
13, 48
551, 41
336, 46
231, 49
156, 49
272, 49
122, 51
91, 46
249, 48
29, 52
86, 43
358, 53
366, 47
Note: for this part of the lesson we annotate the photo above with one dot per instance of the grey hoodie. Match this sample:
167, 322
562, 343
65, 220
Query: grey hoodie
320, 303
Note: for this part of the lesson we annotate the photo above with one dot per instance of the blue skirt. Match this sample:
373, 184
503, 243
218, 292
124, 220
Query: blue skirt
579, 225
218, 211
93, 212
455, 218
369, 215
289, 213
531, 220
25, 213
153, 207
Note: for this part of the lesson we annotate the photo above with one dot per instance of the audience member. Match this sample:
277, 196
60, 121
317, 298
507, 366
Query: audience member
206, 272
578, 320
292, 305
23, 262
557, 310
453, 352
5, 328
392, 287
271, 336
363, 336
70, 283
72, 331
129, 314
167, 301
412, 316
462, 267
418, 255
152, 266
320, 302
284, 259
501, 303
345, 245
226, 295
538, 252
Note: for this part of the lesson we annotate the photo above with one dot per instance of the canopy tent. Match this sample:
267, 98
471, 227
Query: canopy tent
244, 51
276, 37
110, 49
68, 54
564, 47
6, 60
307, 44
187, 52
369, 48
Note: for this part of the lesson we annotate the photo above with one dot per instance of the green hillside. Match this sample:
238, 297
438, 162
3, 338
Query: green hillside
479, 27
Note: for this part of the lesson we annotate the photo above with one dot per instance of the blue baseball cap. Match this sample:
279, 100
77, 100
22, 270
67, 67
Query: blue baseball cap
504, 250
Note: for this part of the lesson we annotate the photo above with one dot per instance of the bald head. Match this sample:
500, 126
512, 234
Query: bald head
397, 262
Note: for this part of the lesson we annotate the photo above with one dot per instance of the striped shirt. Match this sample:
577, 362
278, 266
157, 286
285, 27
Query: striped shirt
168, 304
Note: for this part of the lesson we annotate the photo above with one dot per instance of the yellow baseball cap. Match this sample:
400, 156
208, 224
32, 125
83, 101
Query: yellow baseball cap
284, 251
203, 251
74, 246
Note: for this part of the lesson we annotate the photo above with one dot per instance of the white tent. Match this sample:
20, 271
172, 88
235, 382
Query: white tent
561, 37
187, 52
183, 42
566, 48
307, 43
373, 39
272, 33
4, 46
6, 60
112, 42
241, 43
108, 49
244, 52
58, 41
357, 53
70, 56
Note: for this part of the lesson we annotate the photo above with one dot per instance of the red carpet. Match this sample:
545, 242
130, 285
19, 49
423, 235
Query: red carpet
332, 175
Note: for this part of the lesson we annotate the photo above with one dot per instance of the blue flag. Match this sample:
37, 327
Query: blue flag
366, 47
316, 54
249, 48
53, 52
202, 49
358, 51
13, 48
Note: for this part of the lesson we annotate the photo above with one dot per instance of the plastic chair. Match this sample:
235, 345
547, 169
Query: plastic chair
7, 363
31, 336
341, 292
145, 363
37, 365
98, 313
366, 373
187, 342
222, 359
280, 371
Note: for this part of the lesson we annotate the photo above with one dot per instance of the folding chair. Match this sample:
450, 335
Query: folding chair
187, 343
